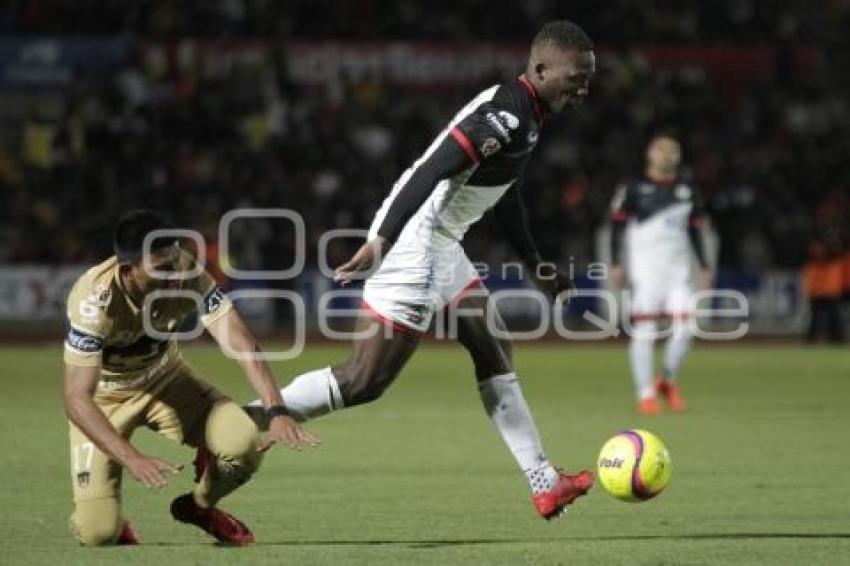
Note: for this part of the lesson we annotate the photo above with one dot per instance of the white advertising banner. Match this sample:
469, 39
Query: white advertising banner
35, 293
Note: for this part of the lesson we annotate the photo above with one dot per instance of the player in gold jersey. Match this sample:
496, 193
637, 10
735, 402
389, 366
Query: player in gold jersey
123, 371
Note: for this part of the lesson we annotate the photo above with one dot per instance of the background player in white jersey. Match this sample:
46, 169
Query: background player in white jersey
660, 215
471, 166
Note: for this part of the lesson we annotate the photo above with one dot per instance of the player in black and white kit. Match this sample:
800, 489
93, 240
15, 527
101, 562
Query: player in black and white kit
414, 243
660, 215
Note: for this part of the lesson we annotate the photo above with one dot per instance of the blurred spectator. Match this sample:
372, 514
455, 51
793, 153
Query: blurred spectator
846, 270
823, 279
621, 20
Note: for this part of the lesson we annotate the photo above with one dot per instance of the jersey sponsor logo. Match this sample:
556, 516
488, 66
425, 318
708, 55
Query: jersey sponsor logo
126, 337
646, 188
683, 192
503, 122
118, 383
509, 120
144, 347
490, 146
497, 124
84, 342
213, 301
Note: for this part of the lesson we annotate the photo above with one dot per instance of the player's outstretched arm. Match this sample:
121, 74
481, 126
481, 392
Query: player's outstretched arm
80, 383
236, 340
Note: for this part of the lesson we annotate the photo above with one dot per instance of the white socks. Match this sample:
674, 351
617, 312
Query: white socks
641, 353
317, 393
640, 357
506, 407
677, 347
310, 395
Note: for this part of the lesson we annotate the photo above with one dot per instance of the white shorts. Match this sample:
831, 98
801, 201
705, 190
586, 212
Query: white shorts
661, 292
413, 282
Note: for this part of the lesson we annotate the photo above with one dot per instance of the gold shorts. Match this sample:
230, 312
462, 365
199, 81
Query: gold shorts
174, 404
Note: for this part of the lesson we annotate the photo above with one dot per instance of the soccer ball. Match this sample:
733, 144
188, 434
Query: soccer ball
634, 465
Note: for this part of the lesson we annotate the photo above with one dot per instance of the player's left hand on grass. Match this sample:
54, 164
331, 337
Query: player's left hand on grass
286, 431
366, 258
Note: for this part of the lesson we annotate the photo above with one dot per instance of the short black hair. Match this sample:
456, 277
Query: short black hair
130, 231
665, 132
563, 34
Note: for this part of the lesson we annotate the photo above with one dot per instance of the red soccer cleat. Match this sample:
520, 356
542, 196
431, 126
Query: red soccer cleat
223, 526
670, 392
127, 536
649, 406
550, 504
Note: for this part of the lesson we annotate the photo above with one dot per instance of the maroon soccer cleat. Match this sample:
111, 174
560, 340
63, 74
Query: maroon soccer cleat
127, 536
550, 504
223, 526
670, 392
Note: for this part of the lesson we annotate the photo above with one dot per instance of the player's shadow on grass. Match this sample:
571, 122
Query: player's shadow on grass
439, 543
613, 538
723, 536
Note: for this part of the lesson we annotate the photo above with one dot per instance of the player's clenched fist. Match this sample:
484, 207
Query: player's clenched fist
286, 431
149, 470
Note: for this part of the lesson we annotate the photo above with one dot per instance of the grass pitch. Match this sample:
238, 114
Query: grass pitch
761, 468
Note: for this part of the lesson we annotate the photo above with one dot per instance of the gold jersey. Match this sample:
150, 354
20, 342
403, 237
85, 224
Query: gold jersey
107, 329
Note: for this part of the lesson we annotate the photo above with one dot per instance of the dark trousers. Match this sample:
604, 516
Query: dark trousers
826, 320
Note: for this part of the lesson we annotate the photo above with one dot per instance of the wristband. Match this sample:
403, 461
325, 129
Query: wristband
277, 411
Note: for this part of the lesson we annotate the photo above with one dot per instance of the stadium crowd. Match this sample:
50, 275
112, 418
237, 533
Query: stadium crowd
620, 20
771, 160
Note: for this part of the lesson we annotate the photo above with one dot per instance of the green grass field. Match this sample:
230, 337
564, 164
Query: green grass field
761, 468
